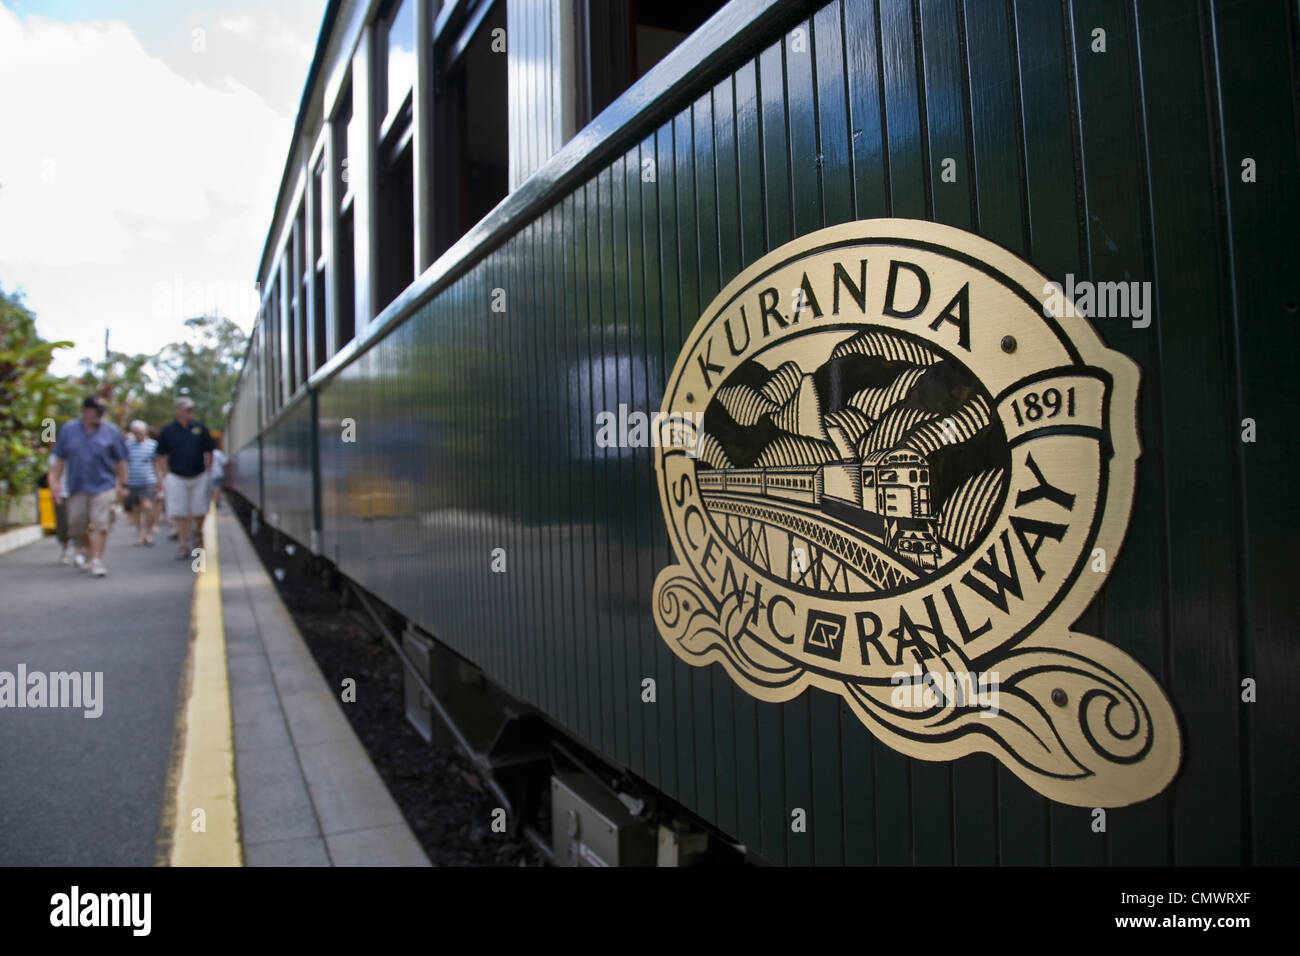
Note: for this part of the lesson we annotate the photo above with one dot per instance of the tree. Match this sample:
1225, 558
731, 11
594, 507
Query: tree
125, 383
146, 386
208, 371
30, 399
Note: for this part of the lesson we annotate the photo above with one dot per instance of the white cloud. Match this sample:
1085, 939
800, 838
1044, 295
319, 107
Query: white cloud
107, 130
117, 173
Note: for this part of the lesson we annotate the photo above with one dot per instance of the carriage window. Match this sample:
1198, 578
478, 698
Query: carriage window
398, 53
344, 238
395, 183
888, 476
302, 287
395, 213
277, 343
619, 41
925, 474
470, 120
289, 311
318, 267
911, 476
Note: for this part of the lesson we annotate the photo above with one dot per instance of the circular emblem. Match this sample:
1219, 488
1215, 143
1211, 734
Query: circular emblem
890, 472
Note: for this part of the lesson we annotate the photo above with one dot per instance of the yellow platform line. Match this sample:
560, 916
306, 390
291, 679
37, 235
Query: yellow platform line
206, 776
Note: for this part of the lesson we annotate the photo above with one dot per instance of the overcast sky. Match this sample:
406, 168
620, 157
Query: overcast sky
141, 152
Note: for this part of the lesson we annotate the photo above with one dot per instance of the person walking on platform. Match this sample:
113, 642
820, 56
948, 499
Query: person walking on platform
217, 476
60, 502
141, 481
92, 455
160, 500
184, 457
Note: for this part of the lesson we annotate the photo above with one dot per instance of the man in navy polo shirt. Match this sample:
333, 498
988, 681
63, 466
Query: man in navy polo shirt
184, 457
93, 454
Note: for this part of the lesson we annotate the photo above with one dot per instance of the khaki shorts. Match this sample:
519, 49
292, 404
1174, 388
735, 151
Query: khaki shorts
186, 497
86, 509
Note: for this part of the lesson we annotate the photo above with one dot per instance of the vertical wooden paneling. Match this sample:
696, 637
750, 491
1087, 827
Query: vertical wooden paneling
995, 123
495, 422
522, 317
700, 683
866, 105
501, 526
606, 330
1117, 246
947, 106
602, 385
624, 475
526, 316
908, 170
572, 322
542, 589
586, 650
1255, 57
646, 396
660, 219
553, 346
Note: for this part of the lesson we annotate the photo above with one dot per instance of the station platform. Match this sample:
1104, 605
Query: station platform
206, 734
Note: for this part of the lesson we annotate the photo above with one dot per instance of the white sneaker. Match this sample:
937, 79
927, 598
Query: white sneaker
65, 558
97, 568
80, 561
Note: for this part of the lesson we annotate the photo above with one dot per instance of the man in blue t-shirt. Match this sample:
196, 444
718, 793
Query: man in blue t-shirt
93, 454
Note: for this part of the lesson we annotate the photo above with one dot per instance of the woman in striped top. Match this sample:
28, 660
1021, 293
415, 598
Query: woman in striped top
142, 480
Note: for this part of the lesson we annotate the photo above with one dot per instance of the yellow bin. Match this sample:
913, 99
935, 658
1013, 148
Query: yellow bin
46, 505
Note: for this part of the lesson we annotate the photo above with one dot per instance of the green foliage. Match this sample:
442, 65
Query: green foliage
208, 371
146, 386
31, 399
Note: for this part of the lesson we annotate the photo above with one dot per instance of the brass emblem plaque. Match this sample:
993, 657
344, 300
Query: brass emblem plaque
889, 473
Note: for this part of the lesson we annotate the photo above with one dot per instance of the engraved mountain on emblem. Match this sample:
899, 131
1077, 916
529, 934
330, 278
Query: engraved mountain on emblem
858, 460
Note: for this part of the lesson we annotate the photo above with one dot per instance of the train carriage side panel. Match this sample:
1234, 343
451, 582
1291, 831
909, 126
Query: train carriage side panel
487, 468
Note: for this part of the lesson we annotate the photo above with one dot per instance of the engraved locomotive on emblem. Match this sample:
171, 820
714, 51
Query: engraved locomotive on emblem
902, 470
875, 468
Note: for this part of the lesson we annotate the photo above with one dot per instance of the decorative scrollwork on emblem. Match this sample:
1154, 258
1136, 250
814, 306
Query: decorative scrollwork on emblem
704, 631
1051, 712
